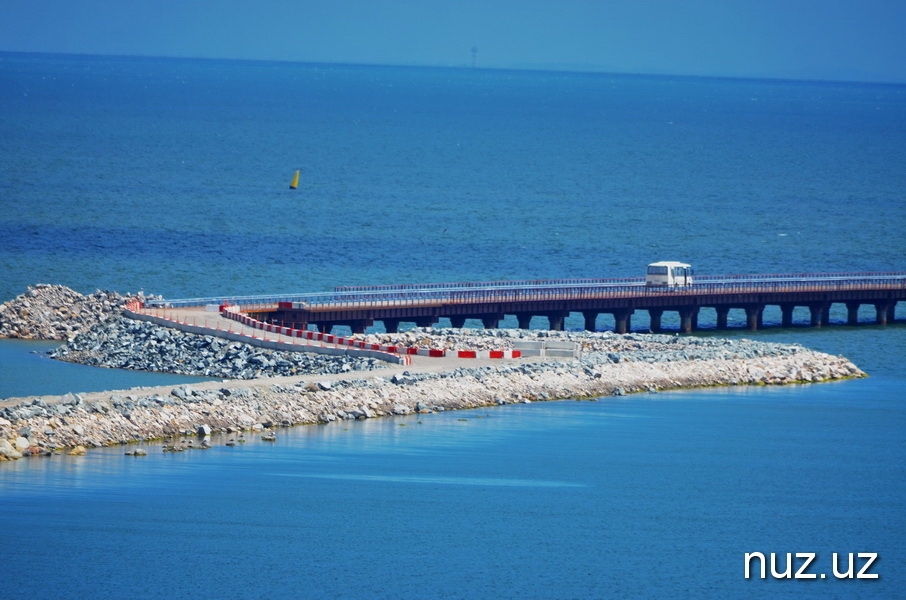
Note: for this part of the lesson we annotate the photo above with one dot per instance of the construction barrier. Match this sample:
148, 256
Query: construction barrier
231, 312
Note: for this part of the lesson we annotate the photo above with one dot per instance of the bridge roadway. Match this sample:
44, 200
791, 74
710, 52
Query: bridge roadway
424, 304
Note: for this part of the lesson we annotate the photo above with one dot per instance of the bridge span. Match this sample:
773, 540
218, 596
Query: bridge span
358, 307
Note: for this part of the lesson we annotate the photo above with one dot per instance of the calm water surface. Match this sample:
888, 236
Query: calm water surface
170, 176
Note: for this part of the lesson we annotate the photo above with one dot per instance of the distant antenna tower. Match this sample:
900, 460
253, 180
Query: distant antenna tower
474, 56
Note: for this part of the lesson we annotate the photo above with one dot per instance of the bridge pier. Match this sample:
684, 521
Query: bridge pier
885, 312
722, 313
491, 321
623, 320
426, 321
555, 320
360, 325
786, 314
655, 315
819, 314
754, 316
524, 320
391, 325
591, 318
852, 312
686, 319
457, 322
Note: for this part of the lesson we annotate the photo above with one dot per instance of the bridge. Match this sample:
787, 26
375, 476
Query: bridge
358, 307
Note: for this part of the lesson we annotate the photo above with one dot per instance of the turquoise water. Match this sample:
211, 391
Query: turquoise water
171, 176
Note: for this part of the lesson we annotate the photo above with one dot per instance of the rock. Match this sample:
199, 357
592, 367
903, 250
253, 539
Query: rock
78, 451
7, 451
22, 443
204, 430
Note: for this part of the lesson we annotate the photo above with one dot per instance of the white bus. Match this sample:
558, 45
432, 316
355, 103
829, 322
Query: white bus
668, 273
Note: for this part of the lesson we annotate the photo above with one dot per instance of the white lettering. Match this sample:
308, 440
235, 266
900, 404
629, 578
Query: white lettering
758, 555
848, 574
872, 556
789, 567
801, 574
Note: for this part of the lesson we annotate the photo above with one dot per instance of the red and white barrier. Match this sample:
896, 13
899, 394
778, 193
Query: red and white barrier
232, 312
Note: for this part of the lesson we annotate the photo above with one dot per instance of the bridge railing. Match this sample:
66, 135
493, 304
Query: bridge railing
540, 293
544, 290
487, 284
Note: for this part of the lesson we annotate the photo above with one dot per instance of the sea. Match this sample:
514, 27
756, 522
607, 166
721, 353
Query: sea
171, 177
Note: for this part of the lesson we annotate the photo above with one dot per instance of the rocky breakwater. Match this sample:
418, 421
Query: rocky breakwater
56, 312
611, 365
121, 343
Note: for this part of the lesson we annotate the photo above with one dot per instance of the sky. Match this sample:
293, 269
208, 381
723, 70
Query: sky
843, 40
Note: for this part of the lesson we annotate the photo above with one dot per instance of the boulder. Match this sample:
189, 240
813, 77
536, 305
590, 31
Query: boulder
7, 450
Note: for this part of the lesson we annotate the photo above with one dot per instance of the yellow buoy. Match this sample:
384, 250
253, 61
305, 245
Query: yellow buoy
295, 182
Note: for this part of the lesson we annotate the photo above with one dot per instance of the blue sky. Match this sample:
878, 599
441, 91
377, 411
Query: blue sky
861, 40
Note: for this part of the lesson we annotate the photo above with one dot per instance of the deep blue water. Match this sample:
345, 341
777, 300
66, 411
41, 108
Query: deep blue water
171, 176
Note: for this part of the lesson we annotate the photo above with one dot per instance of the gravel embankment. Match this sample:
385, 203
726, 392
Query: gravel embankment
283, 389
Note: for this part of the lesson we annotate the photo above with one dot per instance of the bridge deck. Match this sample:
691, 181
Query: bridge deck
358, 307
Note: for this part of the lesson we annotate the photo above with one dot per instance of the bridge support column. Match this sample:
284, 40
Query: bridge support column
885, 312
819, 314
786, 315
555, 320
852, 313
360, 325
655, 315
686, 319
722, 312
753, 316
623, 320
695, 318
426, 321
457, 322
591, 318
524, 319
492, 321
392, 325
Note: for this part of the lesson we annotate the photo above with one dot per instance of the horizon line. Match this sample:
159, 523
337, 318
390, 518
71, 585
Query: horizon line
562, 68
